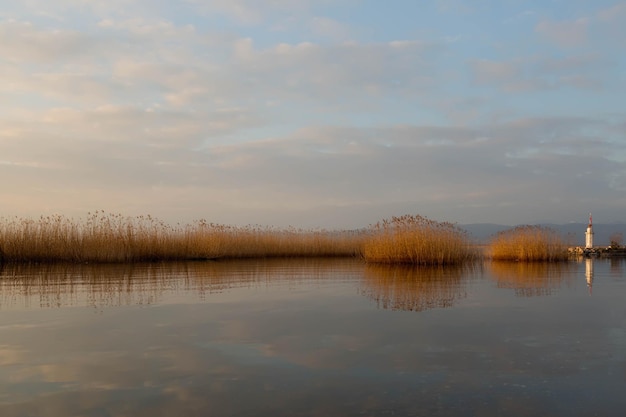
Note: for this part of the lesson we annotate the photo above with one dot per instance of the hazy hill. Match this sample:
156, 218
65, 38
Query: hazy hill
574, 233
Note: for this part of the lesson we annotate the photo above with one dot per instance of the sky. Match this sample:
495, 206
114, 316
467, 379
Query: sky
314, 113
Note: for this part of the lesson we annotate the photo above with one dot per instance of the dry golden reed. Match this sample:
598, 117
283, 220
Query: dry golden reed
104, 237
528, 244
417, 240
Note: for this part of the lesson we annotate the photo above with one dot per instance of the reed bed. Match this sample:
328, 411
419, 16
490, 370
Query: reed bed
417, 240
528, 244
106, 237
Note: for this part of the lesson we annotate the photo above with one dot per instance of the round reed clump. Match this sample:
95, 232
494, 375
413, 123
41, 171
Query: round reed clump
417, 240
528, 244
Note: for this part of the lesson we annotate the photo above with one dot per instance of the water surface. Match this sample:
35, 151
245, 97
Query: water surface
313, 338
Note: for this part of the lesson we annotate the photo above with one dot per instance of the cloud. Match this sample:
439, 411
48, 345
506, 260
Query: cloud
566, 34
613, 13
453, 6
132, 156
250, 12
154, 61
609, 25
223, 109
326, 27
23, 42
323, 72
487, 71
453, 166
543, 73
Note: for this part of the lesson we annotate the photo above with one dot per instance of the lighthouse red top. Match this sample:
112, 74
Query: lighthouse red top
589, 219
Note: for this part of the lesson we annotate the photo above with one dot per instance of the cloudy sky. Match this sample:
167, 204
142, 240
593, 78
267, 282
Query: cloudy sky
314, 113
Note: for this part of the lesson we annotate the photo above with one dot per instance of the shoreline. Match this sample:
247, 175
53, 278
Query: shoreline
598, 251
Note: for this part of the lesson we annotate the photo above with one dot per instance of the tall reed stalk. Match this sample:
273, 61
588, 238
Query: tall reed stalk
417, 240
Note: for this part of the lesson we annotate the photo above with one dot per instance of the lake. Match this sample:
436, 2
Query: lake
313, 338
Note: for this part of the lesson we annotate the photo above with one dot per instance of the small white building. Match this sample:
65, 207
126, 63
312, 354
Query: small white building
589, 235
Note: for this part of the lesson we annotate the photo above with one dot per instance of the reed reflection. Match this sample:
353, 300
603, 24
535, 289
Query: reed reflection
530, 279
414, 288
105, 285
60, 285
616, 266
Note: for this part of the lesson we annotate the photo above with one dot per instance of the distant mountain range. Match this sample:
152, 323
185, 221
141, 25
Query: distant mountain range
573, 233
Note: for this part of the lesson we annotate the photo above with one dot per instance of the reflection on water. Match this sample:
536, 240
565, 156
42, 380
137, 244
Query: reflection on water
589, 273
617, 269
414, 288
311, 338
62, 285
530, 279
104, 285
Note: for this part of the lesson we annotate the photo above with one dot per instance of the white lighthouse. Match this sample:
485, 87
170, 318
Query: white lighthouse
589, 235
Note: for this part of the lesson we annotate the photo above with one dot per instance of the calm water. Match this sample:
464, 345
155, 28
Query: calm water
313, 338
